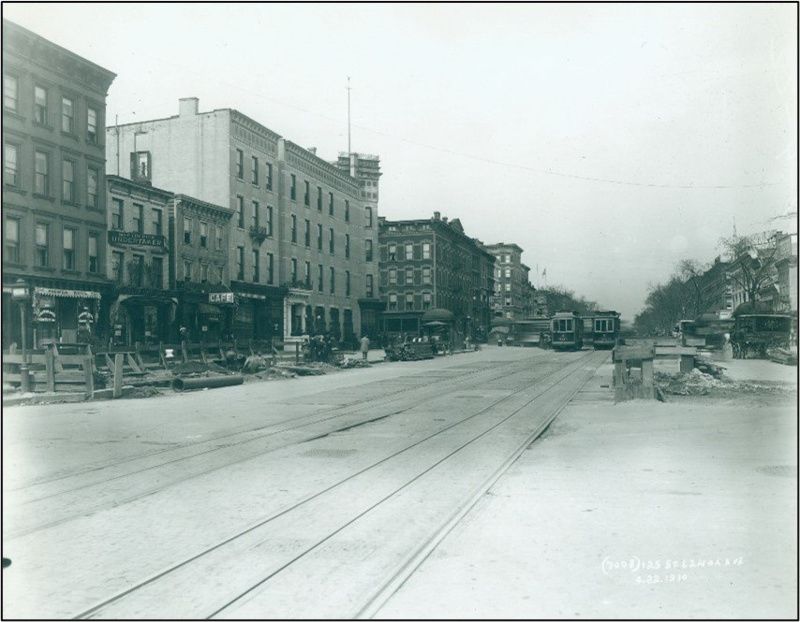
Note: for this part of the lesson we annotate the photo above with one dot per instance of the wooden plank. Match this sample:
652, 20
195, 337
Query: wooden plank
50, 371
118, 363
71, 359
58, 366
634, 352
133, 364
109, 363
88, 374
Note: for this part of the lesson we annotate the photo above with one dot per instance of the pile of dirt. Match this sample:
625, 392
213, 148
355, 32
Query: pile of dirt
350, 363
198, 368
699, 383
143, 392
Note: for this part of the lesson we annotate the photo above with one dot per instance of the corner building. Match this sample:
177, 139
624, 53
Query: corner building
513, 293
54, 213
300, 239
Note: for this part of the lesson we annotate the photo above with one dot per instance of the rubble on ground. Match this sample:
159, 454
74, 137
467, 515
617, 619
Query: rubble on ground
349, 363
698, 383
254, 363
195, 368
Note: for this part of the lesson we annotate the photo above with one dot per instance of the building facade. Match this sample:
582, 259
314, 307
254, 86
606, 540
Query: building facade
301, 239
513, 293
431, 264
54, 199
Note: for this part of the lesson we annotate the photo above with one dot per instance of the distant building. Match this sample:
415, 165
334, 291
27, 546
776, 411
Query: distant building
54, 213
716, 292
431, 264
513, 291
786, 265
302, 241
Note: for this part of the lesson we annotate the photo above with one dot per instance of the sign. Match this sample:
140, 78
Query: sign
65, 293
134, 238
46, 315
221, 297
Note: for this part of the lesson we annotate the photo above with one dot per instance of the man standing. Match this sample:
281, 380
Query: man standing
364, 347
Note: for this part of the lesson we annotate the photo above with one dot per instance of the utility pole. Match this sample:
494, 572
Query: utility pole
349, 150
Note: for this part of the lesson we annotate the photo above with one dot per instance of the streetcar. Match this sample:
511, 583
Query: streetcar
754, 333
533, 332
566, 329
605, 329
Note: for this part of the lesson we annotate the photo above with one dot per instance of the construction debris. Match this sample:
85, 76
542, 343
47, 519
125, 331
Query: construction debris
699, 383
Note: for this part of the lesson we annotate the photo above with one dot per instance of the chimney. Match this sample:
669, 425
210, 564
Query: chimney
444, 219
188, 106
437, 215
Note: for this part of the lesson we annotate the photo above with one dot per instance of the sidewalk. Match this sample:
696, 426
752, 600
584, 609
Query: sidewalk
636, 510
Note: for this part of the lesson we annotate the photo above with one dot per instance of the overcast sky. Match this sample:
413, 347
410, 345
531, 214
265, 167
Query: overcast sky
608, 141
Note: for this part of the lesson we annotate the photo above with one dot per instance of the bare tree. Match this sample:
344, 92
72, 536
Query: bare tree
753, 260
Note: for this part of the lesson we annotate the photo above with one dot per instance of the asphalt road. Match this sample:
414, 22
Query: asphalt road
314, 497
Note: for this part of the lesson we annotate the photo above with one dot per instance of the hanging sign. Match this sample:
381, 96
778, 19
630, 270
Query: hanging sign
134, 238
221, 297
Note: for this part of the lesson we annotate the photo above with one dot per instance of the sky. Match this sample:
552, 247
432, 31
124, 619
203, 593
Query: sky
609, 141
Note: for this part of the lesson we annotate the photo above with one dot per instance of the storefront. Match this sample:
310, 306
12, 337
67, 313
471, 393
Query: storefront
258, 311
371, 318
142, 316
208, 316
58, 314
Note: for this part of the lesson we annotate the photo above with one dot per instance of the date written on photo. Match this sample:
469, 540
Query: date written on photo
666, 570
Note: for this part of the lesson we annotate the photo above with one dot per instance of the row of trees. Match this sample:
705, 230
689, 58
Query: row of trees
559, 298
752, 267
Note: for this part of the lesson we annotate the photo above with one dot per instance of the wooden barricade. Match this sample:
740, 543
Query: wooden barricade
633, 371
52, 371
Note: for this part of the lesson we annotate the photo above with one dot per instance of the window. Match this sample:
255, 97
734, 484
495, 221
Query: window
426, 250
346, 210
368, 213
392, 252
426, 275
187, 230
220, 233
392, 302
92, 177
11, 164
41, 173
138, 218
239, 164
392, 277
91, 125
369, 286
319, 198
42, 245
256, 266
254, 170
294, 270
117, 266
306, 193
68, 262
347, 282
157, 272
137, 277
240, 211
426, 300
307, 232
347, 245
68, 181
269, 220
333, 280
270, 268
117, 214
256, 218
319, 237
409, 277
240, 263
220, 274
319, 278
293, 189
187, 270
11, 240
10, 93
331, 243
40, 105
67, 115
508, 287
368, 249
330, 204
158, 222
409, 251
94, 262
203, 234
409, 301
294, 229
269, 176
140, 165
508, 273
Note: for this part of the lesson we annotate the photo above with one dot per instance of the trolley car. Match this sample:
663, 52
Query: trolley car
754, 333
566, 328
605, 329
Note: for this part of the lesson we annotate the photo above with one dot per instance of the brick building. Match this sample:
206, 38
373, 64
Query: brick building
430, 264
512, 298
301, 238
54, 212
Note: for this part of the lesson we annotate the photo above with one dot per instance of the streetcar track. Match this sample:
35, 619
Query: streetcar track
566, 370
388, 397
11, 535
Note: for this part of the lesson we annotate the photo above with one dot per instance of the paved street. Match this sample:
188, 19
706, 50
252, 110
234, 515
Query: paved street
304, 498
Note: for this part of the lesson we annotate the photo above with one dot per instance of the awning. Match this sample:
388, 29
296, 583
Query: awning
65, 293
504, 330
205, 309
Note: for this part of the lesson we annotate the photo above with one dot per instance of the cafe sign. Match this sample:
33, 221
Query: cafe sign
221, 297
134, 238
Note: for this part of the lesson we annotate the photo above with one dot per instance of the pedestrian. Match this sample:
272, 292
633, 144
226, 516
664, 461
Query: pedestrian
364, 347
